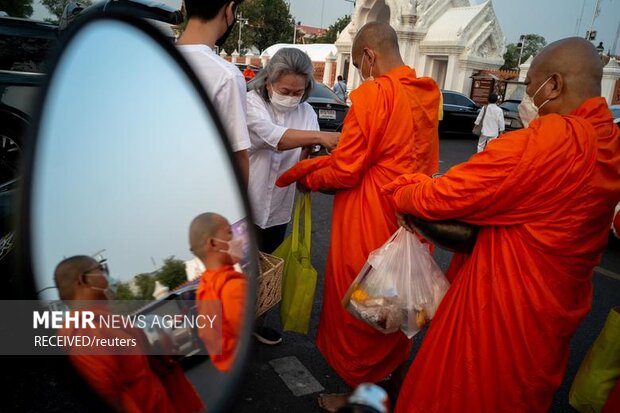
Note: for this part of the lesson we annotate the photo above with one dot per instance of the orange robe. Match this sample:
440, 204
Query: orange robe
134, 383
229, 287
390, 129
544, 197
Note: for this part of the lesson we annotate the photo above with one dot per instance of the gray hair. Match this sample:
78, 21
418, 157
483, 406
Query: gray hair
288, 60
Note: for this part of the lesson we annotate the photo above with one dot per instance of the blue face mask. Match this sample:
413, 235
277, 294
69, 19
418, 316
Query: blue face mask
112, 285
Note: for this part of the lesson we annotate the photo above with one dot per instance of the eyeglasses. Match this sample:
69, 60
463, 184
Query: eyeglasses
101, 266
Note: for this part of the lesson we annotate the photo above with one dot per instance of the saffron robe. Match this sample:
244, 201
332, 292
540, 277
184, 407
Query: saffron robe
229, 287
133, 383
544, 198
390, 129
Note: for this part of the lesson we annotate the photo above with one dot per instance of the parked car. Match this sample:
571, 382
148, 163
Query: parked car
615, 111
459, 114
511, 114
330, 110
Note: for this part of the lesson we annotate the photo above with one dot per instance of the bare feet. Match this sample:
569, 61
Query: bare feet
333, 402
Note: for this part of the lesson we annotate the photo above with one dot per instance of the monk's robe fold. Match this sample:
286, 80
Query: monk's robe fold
229, 286
390, 129
135, 383
544, 197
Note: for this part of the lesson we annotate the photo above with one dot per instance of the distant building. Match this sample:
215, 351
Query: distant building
448, 40
307, 34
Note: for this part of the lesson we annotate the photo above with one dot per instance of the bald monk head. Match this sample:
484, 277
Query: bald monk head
209, 234
81, 278
572, 70
375, 50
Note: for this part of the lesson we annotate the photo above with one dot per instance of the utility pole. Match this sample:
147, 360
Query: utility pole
597, 10
522, 44
242, 21
294, 31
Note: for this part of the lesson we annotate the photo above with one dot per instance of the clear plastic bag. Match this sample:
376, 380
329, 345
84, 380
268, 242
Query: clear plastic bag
399, 287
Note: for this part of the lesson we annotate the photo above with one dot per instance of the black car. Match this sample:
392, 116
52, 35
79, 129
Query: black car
330, 110
459, 114
511, 114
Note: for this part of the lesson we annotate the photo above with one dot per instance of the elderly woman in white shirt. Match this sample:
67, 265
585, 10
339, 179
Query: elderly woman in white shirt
280, 125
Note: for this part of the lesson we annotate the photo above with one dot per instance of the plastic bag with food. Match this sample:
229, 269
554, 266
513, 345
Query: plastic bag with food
399, 287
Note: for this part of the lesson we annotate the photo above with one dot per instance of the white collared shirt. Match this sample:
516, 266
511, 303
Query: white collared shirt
272, 205
225, 86
493, 123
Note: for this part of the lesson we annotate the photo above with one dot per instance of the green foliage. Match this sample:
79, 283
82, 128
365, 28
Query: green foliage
146, 286
17, 8
533, 44
56, 7
124, 292
172, 273
333, 31
268, 22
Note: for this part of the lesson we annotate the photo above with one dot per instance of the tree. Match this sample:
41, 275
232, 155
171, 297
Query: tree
146, 286
17, 8
57, 7
124, 292
333, 31
268, 22
172, 273
533, 44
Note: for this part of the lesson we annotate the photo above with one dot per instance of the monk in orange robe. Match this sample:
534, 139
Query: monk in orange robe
248, 74
391, 129
211, 240
133, 383
543, 198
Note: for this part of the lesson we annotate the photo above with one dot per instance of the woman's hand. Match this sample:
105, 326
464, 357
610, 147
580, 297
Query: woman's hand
329, 140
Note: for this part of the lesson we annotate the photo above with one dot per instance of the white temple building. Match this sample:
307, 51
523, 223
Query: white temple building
447, 40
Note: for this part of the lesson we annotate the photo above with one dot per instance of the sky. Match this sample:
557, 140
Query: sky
126, 167
553, 19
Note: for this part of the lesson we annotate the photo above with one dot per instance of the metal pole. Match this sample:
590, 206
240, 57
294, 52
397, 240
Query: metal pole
240, 18
596, 12
294, 32
521, 52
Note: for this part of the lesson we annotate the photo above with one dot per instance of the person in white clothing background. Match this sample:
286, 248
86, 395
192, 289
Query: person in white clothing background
492, 118
209, 24
280, 123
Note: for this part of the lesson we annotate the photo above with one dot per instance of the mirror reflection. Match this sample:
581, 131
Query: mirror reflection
133, 198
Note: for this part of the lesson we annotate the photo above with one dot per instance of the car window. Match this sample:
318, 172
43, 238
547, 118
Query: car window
615, 112
25, 54
448, 99
462, 101
511, 106
321, 91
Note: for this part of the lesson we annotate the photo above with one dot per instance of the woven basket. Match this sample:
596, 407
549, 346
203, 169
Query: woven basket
269, 282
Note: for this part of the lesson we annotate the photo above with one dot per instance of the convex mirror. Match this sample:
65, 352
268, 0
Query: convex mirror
127, 152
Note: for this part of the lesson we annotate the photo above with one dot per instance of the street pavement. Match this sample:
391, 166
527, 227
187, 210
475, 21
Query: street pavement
289, 377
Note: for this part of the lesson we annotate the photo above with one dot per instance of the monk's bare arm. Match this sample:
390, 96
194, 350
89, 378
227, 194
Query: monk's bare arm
243, 162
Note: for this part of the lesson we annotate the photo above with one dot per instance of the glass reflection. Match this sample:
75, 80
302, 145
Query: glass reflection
127, 156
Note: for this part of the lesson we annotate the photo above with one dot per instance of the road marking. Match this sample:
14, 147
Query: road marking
296, 376
607, 273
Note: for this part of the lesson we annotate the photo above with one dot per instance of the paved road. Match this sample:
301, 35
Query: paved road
298, 360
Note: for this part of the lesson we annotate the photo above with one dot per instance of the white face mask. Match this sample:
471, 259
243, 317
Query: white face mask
234, 249
110, 290
284, 103
361, 70
528, 111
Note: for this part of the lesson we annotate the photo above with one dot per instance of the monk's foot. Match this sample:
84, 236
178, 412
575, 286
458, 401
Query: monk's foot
333, 402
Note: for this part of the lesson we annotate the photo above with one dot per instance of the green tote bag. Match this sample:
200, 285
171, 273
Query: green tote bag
299, 277
600, 369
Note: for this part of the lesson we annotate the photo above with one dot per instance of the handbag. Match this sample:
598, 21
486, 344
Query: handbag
600, 369
478, 128
299, 277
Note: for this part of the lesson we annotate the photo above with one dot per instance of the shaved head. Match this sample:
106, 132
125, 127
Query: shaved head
576, 69
376, 36
68, 271
203, 227
376, 48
